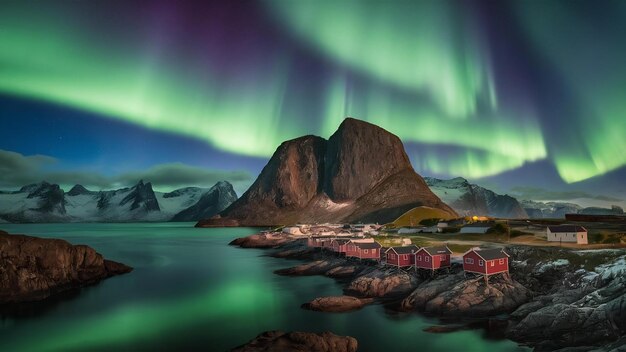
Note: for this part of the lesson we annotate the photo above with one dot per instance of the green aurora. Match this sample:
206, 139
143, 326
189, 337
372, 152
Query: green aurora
431, 82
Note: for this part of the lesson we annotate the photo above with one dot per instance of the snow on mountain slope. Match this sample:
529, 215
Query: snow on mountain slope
45, 202
470, 199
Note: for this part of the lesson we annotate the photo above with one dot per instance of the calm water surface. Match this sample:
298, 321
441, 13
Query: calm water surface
191, 291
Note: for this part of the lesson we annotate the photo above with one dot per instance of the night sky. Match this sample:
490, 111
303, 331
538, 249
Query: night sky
523, 97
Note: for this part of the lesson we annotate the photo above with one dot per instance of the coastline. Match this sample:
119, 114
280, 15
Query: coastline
533, 292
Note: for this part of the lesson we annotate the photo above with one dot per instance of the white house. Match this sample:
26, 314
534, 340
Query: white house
567, 233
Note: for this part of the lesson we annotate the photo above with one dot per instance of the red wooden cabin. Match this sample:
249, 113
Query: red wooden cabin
486, 261
339, 245
401, 256
368, 250
351, 248
433, 258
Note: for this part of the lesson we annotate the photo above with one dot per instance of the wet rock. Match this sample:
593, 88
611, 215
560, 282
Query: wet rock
344, 271
318, 267
337, 304
428, 290
34, 268
474, 297
260, 240
278, 341
382, 283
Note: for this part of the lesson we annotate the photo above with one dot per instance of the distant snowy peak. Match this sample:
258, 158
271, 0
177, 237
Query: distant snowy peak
142, 197
549, 209
216, 199
78, 190
45, 202
470, 199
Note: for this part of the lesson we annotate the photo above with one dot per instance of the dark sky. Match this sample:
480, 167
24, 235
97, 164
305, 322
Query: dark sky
525, 97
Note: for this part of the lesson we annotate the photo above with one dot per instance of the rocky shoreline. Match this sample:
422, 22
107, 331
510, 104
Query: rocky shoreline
553, 299
33, 268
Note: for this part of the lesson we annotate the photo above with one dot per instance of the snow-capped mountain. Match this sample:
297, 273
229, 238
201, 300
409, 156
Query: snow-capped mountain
554, 210
470, 199
45, 202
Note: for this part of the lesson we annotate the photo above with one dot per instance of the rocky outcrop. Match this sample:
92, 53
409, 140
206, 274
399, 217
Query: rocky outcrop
260, 240
454, 295
318, 267
34, 268
581, 308
361, 173
278, 341
337, 304
382, 283
476, 298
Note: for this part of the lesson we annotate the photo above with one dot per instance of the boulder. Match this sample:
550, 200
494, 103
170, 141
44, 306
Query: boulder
382, 283
279, 341
337, 304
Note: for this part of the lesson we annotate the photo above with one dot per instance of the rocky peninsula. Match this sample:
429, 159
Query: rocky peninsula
34, 268
553, 299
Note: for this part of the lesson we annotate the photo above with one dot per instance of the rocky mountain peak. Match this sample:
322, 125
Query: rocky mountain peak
142, 196
78, 190
361, 173
360, 155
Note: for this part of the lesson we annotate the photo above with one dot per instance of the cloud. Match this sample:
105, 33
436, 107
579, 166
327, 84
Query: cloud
180, 175
17, 170
535, 193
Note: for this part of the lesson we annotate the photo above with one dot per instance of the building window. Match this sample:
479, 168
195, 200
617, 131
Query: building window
419, 257
365, 251
404, 257
501, 261
469, 261
427, 258
373, 251
480, 263
493, 263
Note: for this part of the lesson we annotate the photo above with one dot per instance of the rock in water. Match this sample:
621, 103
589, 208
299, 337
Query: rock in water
278, 341
34, 268
361, 173
337, 304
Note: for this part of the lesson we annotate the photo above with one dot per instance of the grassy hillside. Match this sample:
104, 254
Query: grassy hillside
415, 215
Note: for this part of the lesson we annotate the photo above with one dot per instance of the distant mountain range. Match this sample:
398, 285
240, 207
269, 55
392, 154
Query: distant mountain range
45, 202
470, 199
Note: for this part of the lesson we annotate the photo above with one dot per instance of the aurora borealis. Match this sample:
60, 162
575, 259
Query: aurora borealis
474, 89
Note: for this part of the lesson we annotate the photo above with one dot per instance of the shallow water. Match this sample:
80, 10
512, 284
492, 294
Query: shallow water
191, 291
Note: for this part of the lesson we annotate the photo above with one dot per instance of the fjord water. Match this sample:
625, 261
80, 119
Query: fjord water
191, 291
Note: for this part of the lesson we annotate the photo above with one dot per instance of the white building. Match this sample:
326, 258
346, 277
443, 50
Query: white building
567, 233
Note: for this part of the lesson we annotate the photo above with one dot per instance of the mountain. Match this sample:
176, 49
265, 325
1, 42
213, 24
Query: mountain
470, 199
553, 210
613, 210
216, 199
45, 202
360, 174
